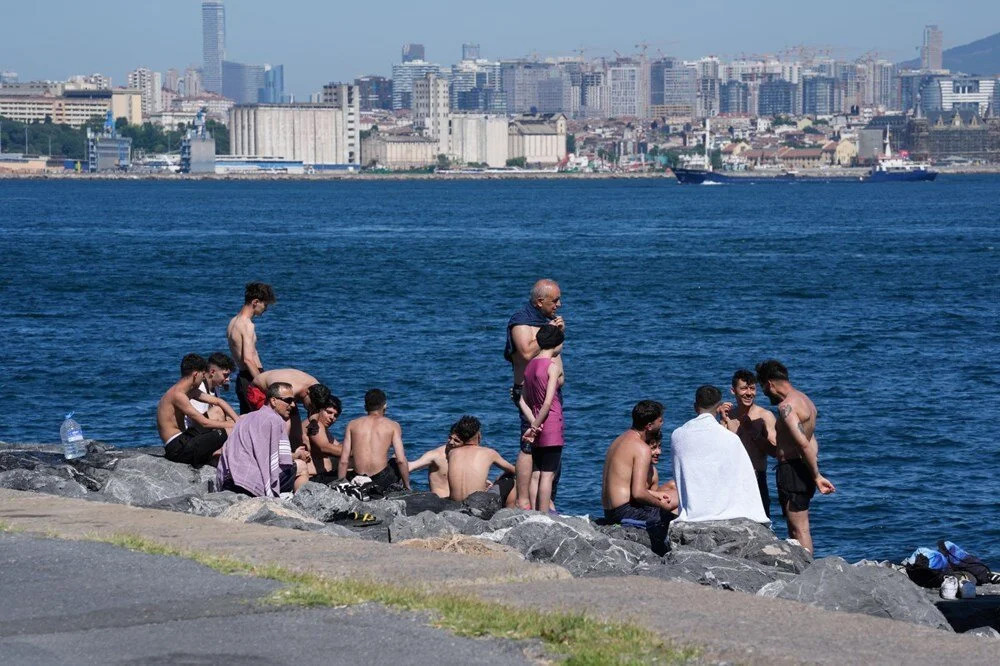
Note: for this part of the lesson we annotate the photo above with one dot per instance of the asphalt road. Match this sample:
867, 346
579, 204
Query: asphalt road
77, 602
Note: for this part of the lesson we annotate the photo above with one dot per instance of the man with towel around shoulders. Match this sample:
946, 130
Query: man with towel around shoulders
521, 347
714, 475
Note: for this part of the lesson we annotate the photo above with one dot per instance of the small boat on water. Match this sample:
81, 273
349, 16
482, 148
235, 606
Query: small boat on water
889, 169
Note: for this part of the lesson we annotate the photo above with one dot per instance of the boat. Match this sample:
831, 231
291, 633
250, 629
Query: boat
889, 168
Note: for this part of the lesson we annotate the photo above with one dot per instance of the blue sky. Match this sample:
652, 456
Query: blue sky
324, 40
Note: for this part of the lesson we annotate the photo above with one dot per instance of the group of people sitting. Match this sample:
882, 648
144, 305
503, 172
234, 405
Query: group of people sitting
719, 456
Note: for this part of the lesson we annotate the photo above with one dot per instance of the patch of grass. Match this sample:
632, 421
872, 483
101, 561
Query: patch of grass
580, 639
5, 527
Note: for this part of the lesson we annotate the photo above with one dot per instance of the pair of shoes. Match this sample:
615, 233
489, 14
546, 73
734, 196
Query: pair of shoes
994, 578
949, 587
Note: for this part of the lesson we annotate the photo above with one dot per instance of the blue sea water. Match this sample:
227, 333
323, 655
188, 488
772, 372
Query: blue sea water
882, 300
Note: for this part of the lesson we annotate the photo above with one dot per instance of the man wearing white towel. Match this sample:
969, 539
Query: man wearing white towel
714, 475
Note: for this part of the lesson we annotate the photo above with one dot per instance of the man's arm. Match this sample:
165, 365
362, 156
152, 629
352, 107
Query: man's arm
210, 399
654, 477
500, 462
322, 442
524, 341
808, 446
345, 455
183, 403
249, 359
639, 491
769, 442
423, 461
397, 447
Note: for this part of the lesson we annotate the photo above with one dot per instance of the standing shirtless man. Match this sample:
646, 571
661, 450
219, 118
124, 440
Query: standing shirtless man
368, 440
755, 426
522, 346
798, 475
242, 337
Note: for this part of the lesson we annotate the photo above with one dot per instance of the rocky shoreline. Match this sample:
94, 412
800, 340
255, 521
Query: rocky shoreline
742, 556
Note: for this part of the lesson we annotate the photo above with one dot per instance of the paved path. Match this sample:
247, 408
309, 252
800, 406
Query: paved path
728, 625
81, 602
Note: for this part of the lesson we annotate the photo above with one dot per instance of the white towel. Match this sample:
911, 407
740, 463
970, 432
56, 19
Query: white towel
714, 475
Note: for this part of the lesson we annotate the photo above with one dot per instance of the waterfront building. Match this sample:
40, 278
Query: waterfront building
374, 92
106, 151
73, 107
430, 109
347, 98
413, 52
965, 93
403, 76
962, 134
198, 148
311, 133
398, 152
478, 139
213, 29
931, 53
870, 145
539, 139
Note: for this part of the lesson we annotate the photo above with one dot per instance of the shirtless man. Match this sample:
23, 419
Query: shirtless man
755, 426
242, 337
220, 367
625, 491
670, 487
300, 383
324, 450
469, 463
202, 441
798, 475
522, 346
368, 439
436, 462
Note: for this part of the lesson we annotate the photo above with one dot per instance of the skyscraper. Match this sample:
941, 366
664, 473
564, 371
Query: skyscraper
930, 53
413, 52
470, 51
213, 31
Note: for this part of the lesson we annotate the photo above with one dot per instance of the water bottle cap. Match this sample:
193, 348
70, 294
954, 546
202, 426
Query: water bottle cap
70, 415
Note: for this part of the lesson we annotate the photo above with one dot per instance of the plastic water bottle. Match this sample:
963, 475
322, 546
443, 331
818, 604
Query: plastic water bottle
72, 438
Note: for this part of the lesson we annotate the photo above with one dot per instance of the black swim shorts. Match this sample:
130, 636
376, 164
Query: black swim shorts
195, 445
796, 485
503, 486
546, 458
388, 479
643, 513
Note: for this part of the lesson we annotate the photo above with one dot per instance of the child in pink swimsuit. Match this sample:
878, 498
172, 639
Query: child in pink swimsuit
541, 403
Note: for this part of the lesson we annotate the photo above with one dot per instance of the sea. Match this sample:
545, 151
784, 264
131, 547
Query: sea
881, 299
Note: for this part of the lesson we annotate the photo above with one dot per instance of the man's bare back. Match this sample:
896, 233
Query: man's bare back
176, 404
299, 380
242, 336
626, 473
756, 430
436, 462
798, 404
370, 438
469, 469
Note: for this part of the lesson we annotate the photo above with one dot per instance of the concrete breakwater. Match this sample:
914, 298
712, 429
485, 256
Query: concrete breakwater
736, 556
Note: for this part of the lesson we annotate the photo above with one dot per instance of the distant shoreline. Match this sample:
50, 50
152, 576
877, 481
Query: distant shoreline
346, 176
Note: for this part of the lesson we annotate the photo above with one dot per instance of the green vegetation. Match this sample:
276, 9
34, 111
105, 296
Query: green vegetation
571, 143
716, 157
582, 640
809, 129
71, 142
5, 527
782, 120
443, 162
517, 162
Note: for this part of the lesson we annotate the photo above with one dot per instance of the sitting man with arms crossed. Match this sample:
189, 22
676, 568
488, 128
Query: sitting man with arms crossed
368, 440
198, 443
220, 368
625, 487
324, 449
257, 459
669, 488
469, 464
715, 480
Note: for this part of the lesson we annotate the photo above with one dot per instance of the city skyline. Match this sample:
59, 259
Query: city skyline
313, 54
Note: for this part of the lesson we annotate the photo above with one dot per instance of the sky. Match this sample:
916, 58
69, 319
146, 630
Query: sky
319, 41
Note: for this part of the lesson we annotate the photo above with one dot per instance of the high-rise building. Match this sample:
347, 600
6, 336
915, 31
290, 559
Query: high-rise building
431, 101
172, 80
734, 97
413, 52
535, 87
241, 82
273, 91
191, 84
347, 98
403, 76
150, 86
778, 97
625, 90
680, 88
469, 75
931, 58
213, 33
821, 95
593, 95
374, 92
470, 51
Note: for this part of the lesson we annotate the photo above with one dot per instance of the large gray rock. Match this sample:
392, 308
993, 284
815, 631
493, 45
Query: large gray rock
740, 538
323, 503
834, 584
719, 571
273, 512
653, 538
482, 504
582, 552
143, 480
419, 502
427, 525
210, 504
39, 481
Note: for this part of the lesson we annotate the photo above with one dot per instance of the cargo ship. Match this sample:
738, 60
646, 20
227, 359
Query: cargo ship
888, 169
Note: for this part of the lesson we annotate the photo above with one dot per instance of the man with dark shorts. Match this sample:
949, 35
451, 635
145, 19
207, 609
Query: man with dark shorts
368, 440
521, 346
242, 337
469, 463
188, 435
798, 476
625, 491
754, 425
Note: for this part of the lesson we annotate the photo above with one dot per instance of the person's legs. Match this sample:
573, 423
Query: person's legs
543, 498
243, 380
765, 494
795, 490
301, 475
546, 463
522, 472
798, 526
205, 447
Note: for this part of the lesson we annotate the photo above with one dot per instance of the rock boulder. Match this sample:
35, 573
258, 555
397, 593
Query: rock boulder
429, 525
271, 511
323, 503
740, 538
482, 504
144, 480
42, 480
719, 571
210, 504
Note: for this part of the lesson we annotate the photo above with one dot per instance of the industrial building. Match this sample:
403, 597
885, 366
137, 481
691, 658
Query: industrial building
398, 152
478, 139
198, 148
314, 134
347, 98
106, 151
539, 139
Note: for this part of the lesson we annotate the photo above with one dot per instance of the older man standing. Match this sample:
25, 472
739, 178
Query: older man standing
257, 459
522, 346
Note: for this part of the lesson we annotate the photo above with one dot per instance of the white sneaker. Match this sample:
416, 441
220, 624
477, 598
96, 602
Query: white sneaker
949, 587
967, 590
